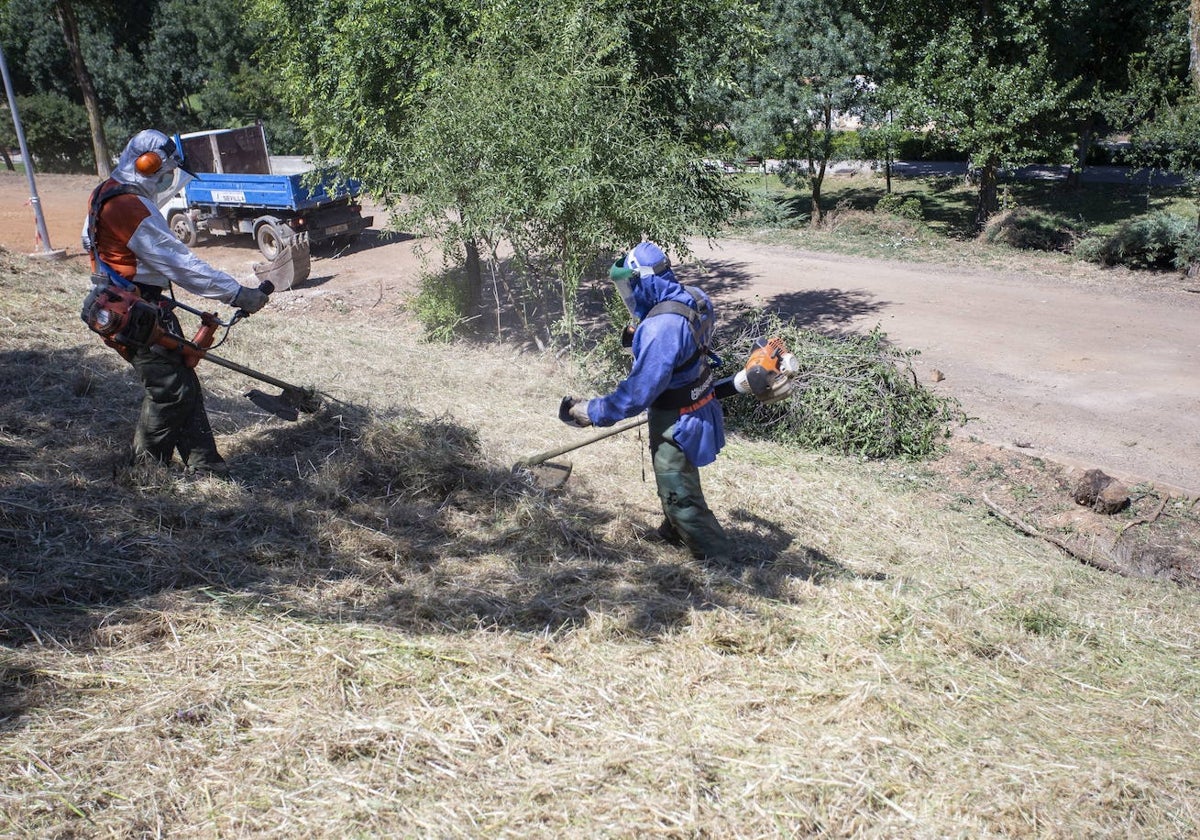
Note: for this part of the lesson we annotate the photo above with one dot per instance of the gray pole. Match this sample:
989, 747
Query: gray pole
46, 251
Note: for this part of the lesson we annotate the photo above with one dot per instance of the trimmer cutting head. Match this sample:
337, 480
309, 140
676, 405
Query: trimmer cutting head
288, 404
546, 475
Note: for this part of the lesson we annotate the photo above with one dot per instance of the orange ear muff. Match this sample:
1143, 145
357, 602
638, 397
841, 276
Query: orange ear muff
148, 163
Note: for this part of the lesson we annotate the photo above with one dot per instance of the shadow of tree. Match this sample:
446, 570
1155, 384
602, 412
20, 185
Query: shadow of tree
820, 309
346, 515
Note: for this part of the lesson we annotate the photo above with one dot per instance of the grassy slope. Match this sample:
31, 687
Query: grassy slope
378, 632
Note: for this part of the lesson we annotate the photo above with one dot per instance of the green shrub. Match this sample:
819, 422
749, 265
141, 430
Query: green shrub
926, 147
896, 205
441, 307
846, 146
1154, 241
765, 211
57, 132
856, 394
1028, 229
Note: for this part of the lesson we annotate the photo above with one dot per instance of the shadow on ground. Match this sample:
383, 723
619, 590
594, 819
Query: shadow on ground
346, 515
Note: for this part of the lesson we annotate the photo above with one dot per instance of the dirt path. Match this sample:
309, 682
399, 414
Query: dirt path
1090, 369
1096, 369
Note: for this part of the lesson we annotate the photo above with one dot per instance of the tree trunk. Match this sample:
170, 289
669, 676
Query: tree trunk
474, 277
8, 164
986, 204
65, 14
1087, 132
1194, 41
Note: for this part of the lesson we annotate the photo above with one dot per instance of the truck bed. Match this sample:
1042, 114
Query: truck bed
274, 192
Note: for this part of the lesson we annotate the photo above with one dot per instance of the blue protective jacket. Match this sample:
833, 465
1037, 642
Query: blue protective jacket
660, 345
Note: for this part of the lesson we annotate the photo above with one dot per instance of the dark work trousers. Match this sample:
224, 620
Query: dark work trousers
679, 491
173, 416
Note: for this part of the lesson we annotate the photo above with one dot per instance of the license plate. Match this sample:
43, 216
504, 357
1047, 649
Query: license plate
337, 229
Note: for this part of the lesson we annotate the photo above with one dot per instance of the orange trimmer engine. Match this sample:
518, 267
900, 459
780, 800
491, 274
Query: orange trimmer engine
764, 365
121, 317
767, 375
193, 351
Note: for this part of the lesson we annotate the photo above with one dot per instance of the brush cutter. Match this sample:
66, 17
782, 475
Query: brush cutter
768, 375
291, 400
125, 320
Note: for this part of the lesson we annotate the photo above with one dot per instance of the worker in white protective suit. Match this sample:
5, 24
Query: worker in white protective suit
133, 249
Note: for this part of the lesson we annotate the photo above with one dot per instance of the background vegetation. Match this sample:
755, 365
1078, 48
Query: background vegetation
533, 140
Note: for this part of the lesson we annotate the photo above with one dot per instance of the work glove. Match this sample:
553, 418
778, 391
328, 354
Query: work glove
250, 300
573, 412
627, 337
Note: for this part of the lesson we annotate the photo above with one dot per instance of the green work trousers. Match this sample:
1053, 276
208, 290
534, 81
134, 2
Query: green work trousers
680, 493
173, 416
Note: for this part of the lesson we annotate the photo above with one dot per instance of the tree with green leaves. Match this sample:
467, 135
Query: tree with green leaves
982, 77
171, 64
1099, 43
819, 65
64, 13
554, 132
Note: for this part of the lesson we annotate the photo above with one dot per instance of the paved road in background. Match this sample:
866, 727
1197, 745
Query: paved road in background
1090, 175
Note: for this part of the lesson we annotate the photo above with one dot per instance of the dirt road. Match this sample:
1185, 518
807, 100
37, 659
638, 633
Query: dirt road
1089, 368
1096, 369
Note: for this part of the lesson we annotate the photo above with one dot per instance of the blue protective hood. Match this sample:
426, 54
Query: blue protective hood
650, 291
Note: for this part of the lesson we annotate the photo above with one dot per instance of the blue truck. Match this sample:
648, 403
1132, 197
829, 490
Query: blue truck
240, 189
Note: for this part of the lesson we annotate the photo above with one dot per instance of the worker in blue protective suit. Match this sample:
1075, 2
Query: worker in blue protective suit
671, 378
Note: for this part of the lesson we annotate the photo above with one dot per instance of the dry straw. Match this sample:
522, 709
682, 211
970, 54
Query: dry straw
379, 630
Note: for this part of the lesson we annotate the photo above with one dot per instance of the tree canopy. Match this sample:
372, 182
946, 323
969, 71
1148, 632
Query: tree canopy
555, 132
545, 136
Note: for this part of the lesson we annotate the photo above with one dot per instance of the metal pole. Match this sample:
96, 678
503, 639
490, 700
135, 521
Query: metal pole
43, 234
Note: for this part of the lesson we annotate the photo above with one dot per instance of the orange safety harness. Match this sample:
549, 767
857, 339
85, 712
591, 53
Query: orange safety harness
117, 312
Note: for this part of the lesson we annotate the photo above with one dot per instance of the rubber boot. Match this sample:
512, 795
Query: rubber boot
681, 495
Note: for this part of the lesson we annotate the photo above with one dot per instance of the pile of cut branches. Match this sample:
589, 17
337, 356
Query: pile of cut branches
856, 394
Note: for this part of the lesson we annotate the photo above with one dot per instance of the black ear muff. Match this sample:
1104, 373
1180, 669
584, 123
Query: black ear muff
148, 163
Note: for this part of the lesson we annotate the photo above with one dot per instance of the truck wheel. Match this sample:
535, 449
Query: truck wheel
272, 239
184, 229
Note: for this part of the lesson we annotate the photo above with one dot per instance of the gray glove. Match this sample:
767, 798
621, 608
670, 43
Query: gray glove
249, 300
573, 412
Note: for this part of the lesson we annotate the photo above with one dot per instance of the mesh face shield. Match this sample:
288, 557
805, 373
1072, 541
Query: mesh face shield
169, 184
622, 278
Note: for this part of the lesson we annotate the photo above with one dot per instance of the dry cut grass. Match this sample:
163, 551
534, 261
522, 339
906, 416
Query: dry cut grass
379, 630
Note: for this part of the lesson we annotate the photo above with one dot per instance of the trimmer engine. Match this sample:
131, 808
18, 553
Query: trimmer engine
768, 374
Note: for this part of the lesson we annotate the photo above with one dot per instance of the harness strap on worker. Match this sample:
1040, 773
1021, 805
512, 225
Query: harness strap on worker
100, 196
700, 321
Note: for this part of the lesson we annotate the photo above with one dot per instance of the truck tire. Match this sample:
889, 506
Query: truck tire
271, 238
184, 229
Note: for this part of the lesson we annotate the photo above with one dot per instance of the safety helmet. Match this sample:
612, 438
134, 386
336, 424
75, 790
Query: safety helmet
647, 259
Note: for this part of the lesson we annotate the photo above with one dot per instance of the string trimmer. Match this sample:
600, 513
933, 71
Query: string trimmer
124, 319
768, 375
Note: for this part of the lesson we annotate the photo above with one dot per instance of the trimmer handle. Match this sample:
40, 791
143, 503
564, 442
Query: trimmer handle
266, 287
